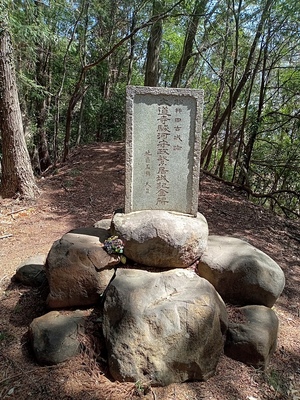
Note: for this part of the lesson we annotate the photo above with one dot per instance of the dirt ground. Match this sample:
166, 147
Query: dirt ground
87, 189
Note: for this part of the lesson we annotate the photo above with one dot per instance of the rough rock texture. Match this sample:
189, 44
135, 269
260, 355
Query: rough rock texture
78, 268
254, 341
55, 337
32, 271
163, 327
241, 273
161, 239
103, 224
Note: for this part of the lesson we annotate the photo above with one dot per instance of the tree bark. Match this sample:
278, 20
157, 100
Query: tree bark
17, 174
188, 42
153, 49
246, 74
42, 102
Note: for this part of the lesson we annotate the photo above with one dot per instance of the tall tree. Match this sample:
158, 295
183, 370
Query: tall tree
43, 99
153, 48
191, 32
17, 174
237, 90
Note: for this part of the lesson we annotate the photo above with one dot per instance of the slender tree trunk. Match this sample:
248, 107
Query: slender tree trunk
132, 45
42, 79
17, 174
207, 149
79, 131
246, 74
232, 83
42, 112
243, 177
189, 41
153, 49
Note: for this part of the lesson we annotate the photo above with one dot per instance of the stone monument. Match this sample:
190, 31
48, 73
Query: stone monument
161, 226
163, 140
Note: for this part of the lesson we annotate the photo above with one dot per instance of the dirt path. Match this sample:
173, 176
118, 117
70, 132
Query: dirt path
86, 189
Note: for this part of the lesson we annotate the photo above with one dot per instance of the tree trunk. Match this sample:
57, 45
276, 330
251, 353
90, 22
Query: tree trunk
42, 102
41, 114
17, 174
188, 42
246, 74
236, 49
132, 46
153, 49
243, 176
208, 148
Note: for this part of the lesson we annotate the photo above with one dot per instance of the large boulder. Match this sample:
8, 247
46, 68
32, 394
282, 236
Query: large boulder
241, 273
55, 337
161, 239
163, 327
78, 268
253, 341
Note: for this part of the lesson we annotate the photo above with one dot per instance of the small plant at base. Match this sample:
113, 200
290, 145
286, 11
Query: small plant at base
5, 336
142, 388
276, 381
74, 172
115, 245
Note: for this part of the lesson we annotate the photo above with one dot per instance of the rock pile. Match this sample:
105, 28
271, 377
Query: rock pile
164, 319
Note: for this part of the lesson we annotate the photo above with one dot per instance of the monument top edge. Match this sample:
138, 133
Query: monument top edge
131, 90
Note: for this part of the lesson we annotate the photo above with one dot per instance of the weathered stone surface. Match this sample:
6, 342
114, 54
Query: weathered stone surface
103, 224
163, 137
78, 268
161, 239
241, 273
32, 271
54, 336
254, 341
163, 327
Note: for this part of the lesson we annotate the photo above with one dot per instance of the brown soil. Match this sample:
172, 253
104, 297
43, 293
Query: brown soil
89, 188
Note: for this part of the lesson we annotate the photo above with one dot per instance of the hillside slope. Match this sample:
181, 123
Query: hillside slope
89, 187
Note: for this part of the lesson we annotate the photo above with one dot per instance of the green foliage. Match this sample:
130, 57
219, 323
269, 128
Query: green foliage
276, 380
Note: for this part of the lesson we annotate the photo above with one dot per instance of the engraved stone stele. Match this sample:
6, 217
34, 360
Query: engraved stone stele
163, 144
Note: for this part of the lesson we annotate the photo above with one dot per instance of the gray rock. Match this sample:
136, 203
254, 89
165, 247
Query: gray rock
78, 268
161, 239
163, 327
55, 337
241, 273
32, 271
254, 341
103, 224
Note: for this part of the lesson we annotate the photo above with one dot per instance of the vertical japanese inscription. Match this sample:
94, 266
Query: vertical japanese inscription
163, 155
163, 149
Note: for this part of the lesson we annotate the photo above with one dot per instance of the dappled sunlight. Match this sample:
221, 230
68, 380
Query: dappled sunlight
88, 188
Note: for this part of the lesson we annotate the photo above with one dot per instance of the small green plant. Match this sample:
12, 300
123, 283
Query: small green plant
2, 336
75, 172
276, 381
142, 388
18, 309
68, 184
5, 336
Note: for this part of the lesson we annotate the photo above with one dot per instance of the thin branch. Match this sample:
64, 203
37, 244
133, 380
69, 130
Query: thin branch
17, 211
4, 237
270, 195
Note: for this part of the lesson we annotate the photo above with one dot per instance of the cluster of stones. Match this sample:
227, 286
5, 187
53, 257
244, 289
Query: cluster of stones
164, 314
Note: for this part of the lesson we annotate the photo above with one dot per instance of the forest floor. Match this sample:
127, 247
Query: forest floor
88, 188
